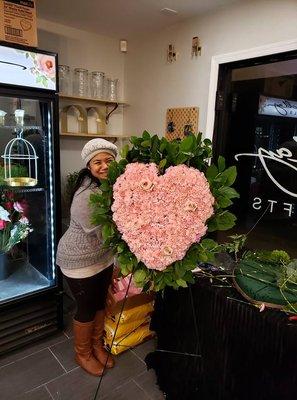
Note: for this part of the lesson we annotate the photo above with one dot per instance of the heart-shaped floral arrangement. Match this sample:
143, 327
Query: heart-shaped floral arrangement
161, 216
157, 205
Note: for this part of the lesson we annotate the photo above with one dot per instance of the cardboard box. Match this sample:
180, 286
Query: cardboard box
18, 22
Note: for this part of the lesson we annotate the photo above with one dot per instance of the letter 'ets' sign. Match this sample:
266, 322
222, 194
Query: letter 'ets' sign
277, 107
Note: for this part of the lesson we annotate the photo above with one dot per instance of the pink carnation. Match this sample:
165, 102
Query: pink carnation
160, 217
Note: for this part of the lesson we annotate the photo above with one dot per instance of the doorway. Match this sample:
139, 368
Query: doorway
256, 130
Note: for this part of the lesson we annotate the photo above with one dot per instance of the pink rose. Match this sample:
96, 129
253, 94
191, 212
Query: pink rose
18, 207
46, 65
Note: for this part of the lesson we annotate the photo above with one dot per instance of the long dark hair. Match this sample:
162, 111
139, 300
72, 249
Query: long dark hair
83, 173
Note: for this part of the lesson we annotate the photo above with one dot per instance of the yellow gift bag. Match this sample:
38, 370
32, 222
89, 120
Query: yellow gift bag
132, 339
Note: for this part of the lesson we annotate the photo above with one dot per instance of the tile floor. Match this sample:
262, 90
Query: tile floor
46, 370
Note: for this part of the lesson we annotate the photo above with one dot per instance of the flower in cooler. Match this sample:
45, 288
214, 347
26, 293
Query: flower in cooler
2, 224
14, 224
4, 214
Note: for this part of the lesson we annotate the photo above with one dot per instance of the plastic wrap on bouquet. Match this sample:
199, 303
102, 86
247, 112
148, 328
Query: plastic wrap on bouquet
121, 288
132, 339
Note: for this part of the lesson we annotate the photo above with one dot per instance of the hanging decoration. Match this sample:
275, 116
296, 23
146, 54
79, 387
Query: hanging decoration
157, 206
20, 155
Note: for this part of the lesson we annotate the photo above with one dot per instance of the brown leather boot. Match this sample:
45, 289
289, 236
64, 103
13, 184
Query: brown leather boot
99, 351
83, 348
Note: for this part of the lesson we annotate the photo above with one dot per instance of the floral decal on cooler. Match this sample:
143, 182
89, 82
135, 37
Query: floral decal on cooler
43, 68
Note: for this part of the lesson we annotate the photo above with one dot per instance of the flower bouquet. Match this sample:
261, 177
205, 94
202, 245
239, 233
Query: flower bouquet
157, 206
14, 224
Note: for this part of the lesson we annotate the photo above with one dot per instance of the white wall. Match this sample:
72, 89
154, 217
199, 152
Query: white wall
82, 49
152, 85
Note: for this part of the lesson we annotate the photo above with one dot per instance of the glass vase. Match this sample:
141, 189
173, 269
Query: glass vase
80, 82
112, 86
97, 85
64, 79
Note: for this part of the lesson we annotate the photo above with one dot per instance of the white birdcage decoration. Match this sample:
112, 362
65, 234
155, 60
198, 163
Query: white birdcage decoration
20, 152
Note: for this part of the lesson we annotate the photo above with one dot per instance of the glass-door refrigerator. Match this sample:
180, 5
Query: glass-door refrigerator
30, 287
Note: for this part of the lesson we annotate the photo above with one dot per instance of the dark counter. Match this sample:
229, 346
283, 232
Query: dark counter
242, 354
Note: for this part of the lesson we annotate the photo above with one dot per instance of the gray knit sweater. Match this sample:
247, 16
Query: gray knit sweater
81, 244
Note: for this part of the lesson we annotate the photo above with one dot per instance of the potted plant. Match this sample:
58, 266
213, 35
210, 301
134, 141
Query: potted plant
14, 227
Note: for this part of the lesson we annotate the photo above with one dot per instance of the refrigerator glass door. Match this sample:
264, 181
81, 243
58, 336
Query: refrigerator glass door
27, 233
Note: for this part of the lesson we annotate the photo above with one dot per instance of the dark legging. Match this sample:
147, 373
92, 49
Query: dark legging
90, 294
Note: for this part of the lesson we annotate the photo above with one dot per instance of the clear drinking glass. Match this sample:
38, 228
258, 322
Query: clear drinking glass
112, 85
80, 82
97, 84
64, 79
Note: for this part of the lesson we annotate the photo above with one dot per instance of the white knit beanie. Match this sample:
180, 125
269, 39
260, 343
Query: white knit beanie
96, 146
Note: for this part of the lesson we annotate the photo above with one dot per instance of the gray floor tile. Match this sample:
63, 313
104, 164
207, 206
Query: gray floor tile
129, 391
78, 385
145, 348
28, 373
75, 385
32, 348
36, 394
148, 383
65, 353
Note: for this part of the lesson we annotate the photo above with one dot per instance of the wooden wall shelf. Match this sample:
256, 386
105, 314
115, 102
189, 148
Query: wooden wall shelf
91, 100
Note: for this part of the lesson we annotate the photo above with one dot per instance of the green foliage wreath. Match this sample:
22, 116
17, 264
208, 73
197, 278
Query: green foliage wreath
193, 152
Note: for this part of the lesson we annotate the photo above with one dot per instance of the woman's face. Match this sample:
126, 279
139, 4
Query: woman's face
99, 164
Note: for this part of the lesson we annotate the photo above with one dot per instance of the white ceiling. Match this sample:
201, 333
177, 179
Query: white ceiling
123, 18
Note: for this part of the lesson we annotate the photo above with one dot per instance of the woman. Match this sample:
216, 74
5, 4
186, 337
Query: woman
86, 265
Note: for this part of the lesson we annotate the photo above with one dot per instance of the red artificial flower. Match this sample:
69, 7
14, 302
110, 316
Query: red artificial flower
8, 205
2, 224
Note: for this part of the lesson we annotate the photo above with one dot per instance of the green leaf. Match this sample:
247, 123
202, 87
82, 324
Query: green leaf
211, 172
121, 247
221, 164
146, 143
113, 172
209, 244
146, 135
228, 192
181, 283
101, 210
229, 175
124, 151
104, 187
188, 144
139, 275
181, 159
222, 221
162, 163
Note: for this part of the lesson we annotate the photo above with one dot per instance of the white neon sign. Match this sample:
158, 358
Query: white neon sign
277, 107
282, 156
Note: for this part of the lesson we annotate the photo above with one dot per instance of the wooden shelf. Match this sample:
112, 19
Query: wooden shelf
91, 100
87, 135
